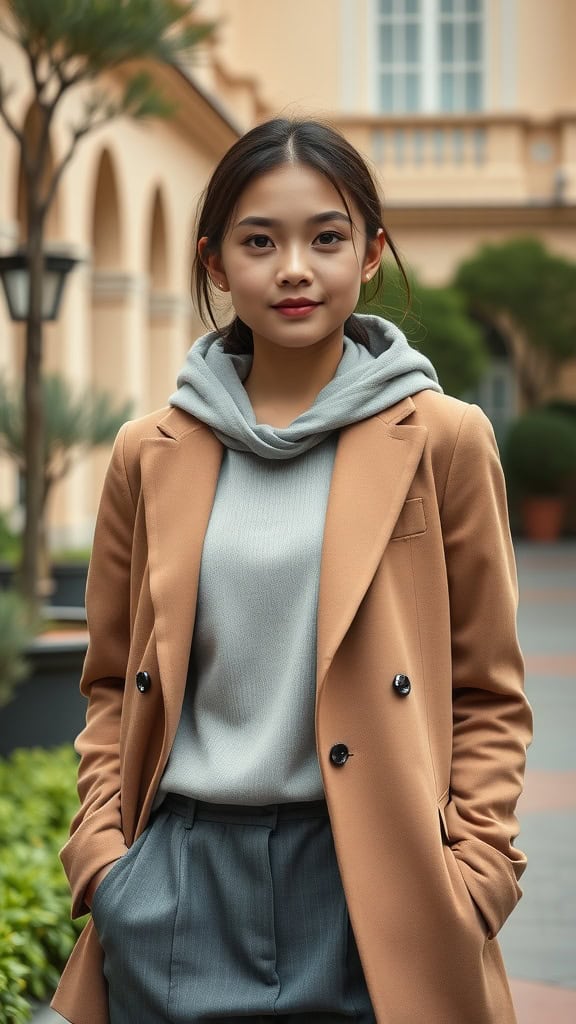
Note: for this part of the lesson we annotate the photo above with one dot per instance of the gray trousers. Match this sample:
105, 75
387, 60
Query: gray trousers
218, 913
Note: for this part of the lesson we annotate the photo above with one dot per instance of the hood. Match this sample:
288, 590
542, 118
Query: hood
367, 380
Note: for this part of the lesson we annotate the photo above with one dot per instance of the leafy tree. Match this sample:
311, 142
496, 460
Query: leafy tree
530, 296
73, 424
70, 44
437, 324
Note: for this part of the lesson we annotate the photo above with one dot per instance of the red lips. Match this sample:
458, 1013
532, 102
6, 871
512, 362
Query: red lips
295, 303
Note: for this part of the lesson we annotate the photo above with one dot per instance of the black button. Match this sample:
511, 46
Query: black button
143, 681
339, 754
402, 685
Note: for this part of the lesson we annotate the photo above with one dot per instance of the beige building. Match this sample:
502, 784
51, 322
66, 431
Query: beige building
466, 108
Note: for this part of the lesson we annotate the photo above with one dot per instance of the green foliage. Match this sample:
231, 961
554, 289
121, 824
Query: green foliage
540, 453
73, 425
537, 288
562, 405
9, 542
530, 294
79, 39
437, 324
15, 635
37, 802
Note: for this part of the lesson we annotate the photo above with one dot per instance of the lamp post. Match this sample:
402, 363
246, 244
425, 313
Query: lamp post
33, 282
15, 275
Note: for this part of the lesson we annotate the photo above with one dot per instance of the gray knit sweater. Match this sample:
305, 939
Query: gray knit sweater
246, 733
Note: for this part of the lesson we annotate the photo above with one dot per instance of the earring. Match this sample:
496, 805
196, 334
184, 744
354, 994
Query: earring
218, 284
367, 277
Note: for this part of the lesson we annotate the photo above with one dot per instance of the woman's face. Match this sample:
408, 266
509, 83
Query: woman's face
292, 260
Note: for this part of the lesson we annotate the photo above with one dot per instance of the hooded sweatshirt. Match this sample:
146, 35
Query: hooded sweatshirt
246, 732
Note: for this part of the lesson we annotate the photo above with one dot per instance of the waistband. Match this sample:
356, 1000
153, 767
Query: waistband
242, 814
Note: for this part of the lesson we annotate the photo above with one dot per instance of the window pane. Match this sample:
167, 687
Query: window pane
386, 6
412, 92
386, 92
473, 6
412, 6
412, 54
386, 47
438, 145
447, 6
473, 90
446, 43
447, 91
473, 41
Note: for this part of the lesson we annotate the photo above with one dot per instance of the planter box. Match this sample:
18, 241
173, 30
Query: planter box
48, 708
69, 582
69, 585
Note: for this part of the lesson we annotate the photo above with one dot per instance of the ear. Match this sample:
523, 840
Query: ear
213, 263
373, 256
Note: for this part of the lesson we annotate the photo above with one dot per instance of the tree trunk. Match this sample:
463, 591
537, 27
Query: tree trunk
34, 415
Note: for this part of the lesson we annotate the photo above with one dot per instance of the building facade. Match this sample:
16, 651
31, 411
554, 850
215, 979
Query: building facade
465, 108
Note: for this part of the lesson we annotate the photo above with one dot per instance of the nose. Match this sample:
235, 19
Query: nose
294, 269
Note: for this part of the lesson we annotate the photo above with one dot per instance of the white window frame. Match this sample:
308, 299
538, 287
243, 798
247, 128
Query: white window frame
430, 67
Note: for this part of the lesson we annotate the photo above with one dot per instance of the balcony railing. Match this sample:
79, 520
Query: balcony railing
472, 159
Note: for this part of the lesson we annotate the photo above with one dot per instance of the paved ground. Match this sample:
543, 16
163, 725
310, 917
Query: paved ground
539, 940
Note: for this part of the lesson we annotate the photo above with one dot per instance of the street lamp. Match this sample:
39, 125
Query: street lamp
15, 276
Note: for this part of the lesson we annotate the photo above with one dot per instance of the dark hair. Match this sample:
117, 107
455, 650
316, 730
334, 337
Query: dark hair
262, 149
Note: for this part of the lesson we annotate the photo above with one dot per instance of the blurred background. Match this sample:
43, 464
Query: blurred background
112, 117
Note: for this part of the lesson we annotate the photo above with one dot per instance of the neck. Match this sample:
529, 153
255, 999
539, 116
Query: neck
284, 382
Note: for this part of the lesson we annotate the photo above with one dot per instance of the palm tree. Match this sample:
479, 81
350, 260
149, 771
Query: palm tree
73, 425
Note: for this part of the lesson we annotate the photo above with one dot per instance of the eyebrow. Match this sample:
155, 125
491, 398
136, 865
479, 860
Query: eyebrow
270, 222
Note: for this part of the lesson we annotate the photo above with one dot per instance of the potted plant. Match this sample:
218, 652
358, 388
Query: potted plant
540, 460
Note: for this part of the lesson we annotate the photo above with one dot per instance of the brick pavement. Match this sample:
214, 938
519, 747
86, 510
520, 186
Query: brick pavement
539, 940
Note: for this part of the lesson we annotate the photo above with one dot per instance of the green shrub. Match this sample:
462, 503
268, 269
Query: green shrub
9, 542
540, 453
37, 801
15, 634
561, 405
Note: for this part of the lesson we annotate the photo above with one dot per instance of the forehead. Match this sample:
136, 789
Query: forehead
291, 190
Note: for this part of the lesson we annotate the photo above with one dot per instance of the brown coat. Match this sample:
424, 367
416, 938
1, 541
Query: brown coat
417, 577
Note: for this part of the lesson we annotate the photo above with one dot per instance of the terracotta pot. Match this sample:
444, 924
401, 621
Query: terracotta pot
543, 517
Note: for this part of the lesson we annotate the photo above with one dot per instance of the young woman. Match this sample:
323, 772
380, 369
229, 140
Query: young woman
306, 727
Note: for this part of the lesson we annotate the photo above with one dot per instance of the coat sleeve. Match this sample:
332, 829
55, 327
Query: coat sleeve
491, 717
96, 838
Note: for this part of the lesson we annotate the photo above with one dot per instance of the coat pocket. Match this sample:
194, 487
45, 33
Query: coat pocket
412, 520
461, 894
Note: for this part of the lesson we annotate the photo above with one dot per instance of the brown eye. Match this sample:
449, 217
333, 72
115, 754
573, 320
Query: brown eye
258, 242
329, 237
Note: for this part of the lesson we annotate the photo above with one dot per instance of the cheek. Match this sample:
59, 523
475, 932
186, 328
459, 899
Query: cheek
244, 278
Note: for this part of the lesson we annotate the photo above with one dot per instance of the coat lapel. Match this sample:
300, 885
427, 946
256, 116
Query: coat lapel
375, 463
179, 477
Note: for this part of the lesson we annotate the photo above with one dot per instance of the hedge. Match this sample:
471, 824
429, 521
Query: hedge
37, 801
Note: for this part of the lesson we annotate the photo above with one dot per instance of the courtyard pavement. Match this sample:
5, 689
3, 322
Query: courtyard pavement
539, 939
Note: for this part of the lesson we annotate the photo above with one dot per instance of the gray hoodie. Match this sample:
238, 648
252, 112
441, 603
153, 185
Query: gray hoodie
246, 733
366, 381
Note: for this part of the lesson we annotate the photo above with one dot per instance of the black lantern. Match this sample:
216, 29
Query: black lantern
16, 280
